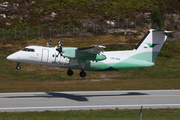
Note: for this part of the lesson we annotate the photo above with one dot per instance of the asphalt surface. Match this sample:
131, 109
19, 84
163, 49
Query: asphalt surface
86, 100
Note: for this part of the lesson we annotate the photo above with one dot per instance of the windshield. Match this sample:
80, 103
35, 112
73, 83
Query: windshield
28, 50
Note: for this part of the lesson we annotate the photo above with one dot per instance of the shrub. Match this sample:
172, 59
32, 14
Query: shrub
157, 19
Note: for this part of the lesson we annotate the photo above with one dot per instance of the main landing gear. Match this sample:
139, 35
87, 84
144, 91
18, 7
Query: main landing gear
82, 73
82, 66
70, 72
18, 67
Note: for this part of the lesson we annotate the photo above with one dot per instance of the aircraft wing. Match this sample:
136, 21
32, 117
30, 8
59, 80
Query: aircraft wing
94, 50
86, 53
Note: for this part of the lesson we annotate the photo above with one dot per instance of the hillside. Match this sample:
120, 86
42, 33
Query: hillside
69, 13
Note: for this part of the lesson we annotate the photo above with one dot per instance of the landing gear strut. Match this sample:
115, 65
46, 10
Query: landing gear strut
18, 67
82, 66
70, 72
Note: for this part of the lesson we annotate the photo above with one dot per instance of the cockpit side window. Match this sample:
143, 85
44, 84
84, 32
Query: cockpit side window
24, 49
32, 50
28, 50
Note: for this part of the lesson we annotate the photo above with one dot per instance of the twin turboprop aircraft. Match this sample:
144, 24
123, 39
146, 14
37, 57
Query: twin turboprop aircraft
94, 58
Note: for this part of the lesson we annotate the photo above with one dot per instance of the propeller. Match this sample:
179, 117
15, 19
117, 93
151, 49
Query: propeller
49, 44
59, 49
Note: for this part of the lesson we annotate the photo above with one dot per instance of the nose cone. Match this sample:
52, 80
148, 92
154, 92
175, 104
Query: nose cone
12, 57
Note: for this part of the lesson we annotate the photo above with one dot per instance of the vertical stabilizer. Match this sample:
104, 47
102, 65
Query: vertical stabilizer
150, 46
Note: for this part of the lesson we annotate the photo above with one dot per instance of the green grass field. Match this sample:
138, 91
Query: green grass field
164, 75
147, 114
31, 78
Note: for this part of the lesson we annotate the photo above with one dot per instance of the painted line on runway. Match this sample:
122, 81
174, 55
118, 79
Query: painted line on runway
92, 106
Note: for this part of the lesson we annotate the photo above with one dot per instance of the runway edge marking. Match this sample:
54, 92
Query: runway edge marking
93, 106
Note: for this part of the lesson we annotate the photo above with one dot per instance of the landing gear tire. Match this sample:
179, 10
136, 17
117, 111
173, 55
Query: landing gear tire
70, 72
82, 74
18, 67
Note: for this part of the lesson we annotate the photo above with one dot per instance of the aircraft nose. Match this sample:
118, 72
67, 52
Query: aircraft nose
12, 57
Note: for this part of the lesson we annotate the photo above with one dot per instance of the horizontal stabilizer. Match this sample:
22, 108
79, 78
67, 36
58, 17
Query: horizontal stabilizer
168, 31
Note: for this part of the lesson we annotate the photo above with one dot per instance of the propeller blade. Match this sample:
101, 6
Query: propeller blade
59, 43
59, 48
50, 42
62, 43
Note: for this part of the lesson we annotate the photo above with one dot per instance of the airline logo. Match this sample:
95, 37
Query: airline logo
151, 45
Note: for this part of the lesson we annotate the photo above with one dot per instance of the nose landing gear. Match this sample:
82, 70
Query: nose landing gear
18, 67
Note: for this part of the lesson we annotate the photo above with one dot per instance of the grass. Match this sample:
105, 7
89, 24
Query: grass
148, 114
164, 75
31, 78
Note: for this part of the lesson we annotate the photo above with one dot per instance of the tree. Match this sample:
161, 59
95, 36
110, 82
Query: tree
157, 19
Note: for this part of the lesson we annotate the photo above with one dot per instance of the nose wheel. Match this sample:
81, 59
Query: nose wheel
18, 67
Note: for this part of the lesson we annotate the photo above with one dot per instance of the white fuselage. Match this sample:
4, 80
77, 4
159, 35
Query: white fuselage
48, 56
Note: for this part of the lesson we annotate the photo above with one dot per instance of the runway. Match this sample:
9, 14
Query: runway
88, 100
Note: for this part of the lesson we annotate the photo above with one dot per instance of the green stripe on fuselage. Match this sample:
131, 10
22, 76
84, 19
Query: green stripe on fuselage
146, 56
133, 62
123, 65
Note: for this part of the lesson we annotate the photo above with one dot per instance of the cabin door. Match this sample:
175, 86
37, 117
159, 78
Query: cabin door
45, 55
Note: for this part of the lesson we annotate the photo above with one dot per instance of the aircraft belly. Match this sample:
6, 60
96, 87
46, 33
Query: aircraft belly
119, 65
132, 64
100, 66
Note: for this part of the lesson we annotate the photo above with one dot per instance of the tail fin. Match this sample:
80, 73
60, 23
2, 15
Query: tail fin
150, 46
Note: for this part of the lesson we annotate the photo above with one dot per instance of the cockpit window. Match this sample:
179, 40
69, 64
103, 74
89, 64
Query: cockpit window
28, 50
24, 49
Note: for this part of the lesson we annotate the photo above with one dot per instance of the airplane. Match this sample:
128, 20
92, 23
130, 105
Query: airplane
94, 58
